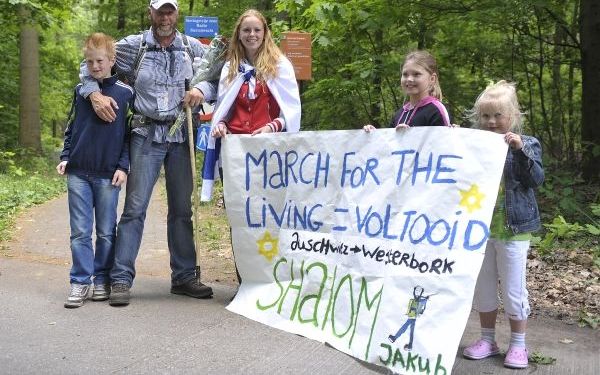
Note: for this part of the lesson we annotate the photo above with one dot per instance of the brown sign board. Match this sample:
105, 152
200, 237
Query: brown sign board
296, 46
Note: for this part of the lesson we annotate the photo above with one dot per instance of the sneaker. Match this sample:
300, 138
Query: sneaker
481, 349
193, 288
516, 357
101, 292
119, 295
77, 295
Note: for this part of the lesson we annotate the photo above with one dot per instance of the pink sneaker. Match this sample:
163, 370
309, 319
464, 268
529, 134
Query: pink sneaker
481, 349
516, 357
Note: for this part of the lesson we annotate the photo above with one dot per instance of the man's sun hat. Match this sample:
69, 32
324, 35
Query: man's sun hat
156, 4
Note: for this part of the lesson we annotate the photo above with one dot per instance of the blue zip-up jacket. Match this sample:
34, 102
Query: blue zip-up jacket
523, 173
95, 147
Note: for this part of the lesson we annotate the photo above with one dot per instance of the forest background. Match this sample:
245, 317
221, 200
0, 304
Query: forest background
550, 48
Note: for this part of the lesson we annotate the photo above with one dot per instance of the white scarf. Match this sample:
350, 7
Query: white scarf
284, 89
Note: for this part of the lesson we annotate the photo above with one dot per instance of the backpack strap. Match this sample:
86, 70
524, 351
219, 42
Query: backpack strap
188, 47
140, 55
144, 48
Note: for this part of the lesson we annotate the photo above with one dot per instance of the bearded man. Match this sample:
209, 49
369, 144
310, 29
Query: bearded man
156, 63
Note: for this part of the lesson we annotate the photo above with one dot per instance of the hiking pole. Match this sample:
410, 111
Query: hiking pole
196, 229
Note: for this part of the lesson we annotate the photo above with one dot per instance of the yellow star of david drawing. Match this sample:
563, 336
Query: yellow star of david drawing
471, 199
268, 246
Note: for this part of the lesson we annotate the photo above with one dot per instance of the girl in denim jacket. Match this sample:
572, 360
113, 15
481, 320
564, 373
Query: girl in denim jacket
516, 215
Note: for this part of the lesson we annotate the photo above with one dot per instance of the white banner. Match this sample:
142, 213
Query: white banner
371, 242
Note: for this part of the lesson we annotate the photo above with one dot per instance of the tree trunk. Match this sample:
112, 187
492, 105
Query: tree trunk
264, 5
590, 95
121, 10
557, 109
541, 58
376, 105
29, 100
573, 115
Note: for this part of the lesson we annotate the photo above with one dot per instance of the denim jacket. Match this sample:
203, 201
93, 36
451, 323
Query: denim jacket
523, 172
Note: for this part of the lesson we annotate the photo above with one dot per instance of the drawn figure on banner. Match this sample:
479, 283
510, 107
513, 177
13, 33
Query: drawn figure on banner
416, 308
420, 82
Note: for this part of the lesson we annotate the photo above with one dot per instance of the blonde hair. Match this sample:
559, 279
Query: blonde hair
268, 54
100, 41
503, 95
425, 60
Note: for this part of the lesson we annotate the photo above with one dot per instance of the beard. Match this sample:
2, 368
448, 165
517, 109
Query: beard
164, 31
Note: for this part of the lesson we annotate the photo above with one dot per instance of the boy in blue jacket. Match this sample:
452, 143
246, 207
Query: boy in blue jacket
95, 158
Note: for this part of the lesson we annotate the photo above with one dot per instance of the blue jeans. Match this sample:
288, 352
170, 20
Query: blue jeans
146, 161
410, 323
89, 197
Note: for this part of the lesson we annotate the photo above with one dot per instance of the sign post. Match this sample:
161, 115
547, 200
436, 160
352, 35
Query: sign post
296, 46
201, 27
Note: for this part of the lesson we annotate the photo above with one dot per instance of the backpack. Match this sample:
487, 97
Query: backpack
144, 48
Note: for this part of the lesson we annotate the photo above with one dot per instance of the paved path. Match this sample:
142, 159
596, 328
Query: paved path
161, 333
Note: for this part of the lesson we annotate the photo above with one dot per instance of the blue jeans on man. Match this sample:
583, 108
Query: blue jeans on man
146, 160
92, 197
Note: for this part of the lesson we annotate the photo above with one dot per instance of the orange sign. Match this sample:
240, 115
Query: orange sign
297, 48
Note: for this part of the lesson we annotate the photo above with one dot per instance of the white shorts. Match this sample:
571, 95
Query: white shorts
504, 262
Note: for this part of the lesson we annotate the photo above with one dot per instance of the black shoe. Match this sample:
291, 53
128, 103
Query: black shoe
391, 338
193, 288
119, 295
408, 347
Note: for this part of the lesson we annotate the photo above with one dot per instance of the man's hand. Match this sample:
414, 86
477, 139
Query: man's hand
193, 98
60, 168
119, 178
104, 106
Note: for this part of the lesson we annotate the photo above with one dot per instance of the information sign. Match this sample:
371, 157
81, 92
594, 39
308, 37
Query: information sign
297, 48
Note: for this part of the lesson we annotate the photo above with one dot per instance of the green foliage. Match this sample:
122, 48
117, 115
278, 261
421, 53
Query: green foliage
212, 226
561, 188
60, 66
558, 229
561, 233
358, 48
589, 320
541, 359
570, 211
9, 89
8, 165
27, 180
62, 26
563, 199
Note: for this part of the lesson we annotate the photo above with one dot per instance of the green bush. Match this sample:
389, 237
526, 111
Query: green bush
570, 213
25, 180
